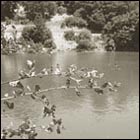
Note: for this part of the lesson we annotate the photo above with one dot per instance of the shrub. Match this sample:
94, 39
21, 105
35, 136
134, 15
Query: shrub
84, 45
84, 35
38, 36
69, 35
7, 20
27, 32
61, 10
49, 44
24, 21
79, 12
74, 21
7, 9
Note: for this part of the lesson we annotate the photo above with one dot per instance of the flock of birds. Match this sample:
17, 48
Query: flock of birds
49, 110
28, 129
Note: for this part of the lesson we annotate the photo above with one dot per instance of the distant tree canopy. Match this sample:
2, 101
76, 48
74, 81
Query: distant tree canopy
7, 9
46, 9
74, 21
118, 21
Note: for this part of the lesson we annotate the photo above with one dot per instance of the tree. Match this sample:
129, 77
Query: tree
46, 9
7, 9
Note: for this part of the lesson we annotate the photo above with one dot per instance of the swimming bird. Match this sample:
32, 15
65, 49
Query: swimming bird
28, 88
18, 92
6, 95
45, 100
30, 64
23, 128
13, 133
23, 75
49, 111
77, 91
101, 75
112, 89
33, 96
57, 70
4, 134
44, 71
117, 84
37, 88
90, 82
105, 85
58, 129
49, 129
19, 85
9, 105
59, 121
76, 80
92, 73
13, 83
99, 90
32, 135
111, 86
68, 82
16, 84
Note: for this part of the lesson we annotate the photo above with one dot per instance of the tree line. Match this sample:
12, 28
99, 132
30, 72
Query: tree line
118, 21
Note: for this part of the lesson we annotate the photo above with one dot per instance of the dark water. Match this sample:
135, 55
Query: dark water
112, 115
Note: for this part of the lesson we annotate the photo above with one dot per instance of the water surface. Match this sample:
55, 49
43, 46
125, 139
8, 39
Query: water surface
112, 115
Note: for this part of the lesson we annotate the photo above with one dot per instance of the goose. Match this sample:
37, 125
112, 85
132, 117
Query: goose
32, 135
91, 82
44, 71
13, 83
14, 133
16, 84
23, 75
19, 85
105, 85
68, 82
45, 100
117, 84
99, 90
49, 129
28, 88
77, 91
58, 129
101, 75
30, 64
76, 80
4, 134
9, 105
33, 96
59, 121
6, 95
112, 89
24, 127
18, 92
57, 70
37, 88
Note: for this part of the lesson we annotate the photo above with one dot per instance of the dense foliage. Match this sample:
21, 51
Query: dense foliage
74, 22
39, 33
69, 35
83, 39
61, 10
118, 21
46, 9
7, 9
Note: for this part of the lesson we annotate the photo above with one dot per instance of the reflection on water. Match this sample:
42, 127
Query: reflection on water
112, 115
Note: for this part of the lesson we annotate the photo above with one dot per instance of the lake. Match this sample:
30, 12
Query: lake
111, 115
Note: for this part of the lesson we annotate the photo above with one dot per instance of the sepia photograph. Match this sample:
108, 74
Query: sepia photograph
69, 69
